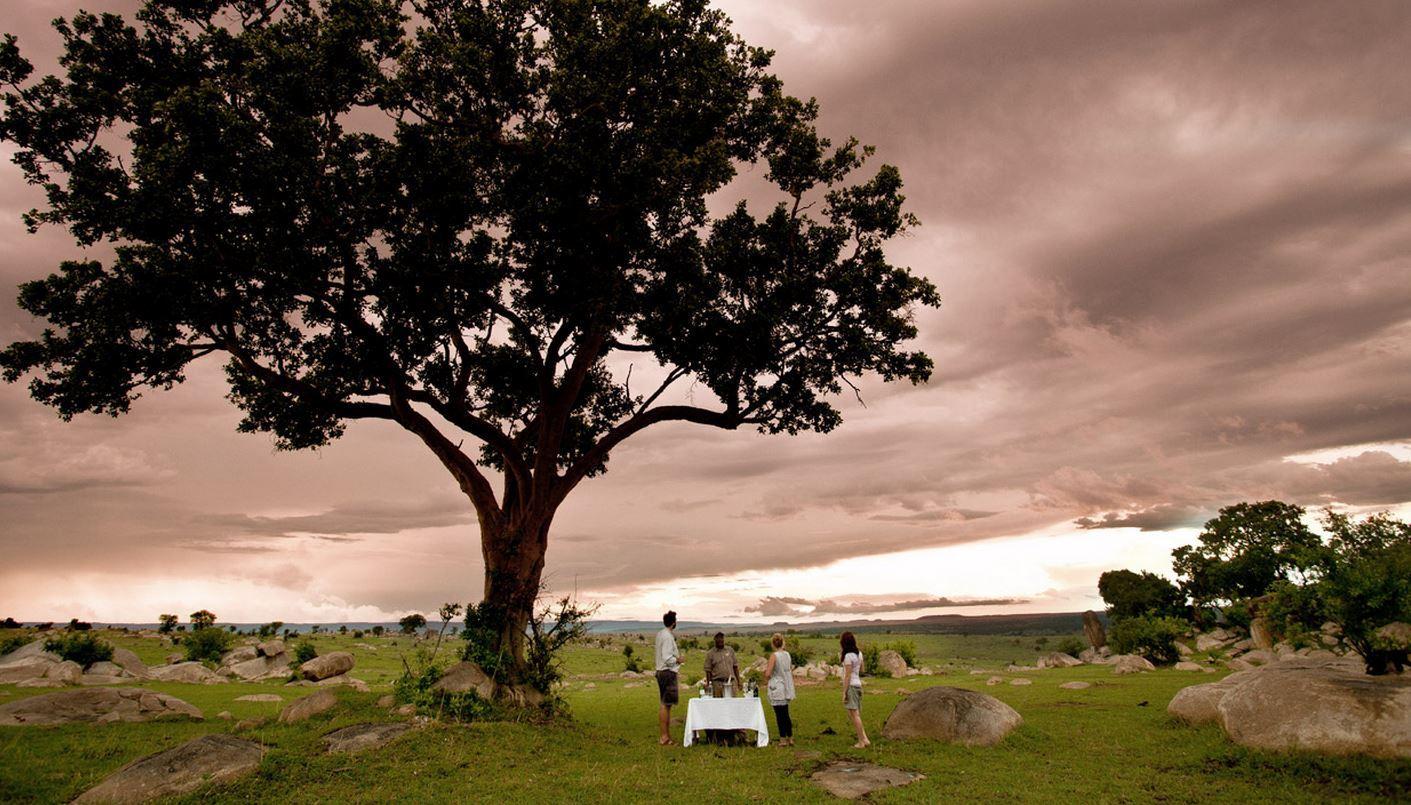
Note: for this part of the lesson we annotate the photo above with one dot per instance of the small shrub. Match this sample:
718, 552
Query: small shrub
357, 634
799, 651
870, 665
1151, 637
1071, 646
207, 645
1237, 614
81, 647
415, 689
906, 649
303, 652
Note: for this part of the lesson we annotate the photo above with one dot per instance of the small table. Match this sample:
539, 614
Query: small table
725, 714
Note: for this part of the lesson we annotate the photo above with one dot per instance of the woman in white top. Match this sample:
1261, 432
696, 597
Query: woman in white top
852, 687
779, 672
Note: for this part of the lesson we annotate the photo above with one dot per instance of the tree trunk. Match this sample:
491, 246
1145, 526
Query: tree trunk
514, 563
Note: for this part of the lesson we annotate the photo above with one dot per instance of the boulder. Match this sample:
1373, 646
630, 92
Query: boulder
1076, 685
1058, 660
1021, 681
260, 697
64, 673
29, 651
1096, 656
260, 668
343, 679
1208, 642
1238, 665
95, 705
105, 669
1131, 664
953, 715
1185, 665
818, 672
994, 680
270, 648
1394, 636
180, 770
361, 737
1260, 634
892, 662
1259, 657
1199, 704
331, 664
238, 655
849, 780
301, 709
468, 676
1093, 630
29, 668
175, 657
190, 672
1183, 649
1242, 645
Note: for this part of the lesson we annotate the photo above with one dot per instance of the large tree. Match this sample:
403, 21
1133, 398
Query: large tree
458, 215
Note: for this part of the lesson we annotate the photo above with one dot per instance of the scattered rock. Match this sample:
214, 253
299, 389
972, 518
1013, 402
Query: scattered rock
225, 715
631, 685
1019, 681
854, 780
361, 737
1076, 685
238, 655
953, 715
892, 662
1185, 665
995, 680
1207, 642
343, 679
1242, 645
1183, 649
301, 709
260, 697
1058, 660
270, 648
1259, 657
331, 664
105, 669
180, 770
926, 670
95, 705
191, 672
590, 686
1131, 664
262, 668
386, 701
1093, 630
1096, 656
406, 710
175, 657
468, 676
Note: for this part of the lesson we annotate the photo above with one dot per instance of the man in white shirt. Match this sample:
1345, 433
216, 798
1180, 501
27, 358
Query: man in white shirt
668, 660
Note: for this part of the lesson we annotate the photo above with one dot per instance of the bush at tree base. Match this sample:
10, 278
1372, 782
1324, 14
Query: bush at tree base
1151, 637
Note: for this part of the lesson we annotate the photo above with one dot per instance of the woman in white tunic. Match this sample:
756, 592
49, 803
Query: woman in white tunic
779, 672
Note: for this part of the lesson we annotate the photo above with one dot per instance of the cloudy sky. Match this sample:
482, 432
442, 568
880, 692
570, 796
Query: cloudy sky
1173, 241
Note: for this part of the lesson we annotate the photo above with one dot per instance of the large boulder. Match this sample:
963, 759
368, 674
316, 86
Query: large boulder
270, 648
95, 704
238, 655
1328, 706
1058, 660
29, 651
301, 709
1096, 656
260, 668
105, 669
1093, 630
952, 714
130, 662
466, 676
1208, 642
190, 672
1199, 704
1131, 664
64, 673
331, 664
179, 770
892, 662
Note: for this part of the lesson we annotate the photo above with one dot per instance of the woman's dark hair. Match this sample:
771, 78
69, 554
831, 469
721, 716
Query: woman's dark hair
849, 644
669, 619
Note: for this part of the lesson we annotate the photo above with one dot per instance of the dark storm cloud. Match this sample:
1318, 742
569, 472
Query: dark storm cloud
1173, 242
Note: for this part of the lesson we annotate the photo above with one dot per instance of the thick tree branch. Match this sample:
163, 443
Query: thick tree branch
471, 480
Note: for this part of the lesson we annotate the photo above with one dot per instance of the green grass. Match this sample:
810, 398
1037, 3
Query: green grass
1096, 745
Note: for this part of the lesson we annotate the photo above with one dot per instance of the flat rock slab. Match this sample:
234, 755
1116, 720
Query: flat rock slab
180, 770
854, 780
361, 737
96, 705
1076, 685
260, 697
300, 709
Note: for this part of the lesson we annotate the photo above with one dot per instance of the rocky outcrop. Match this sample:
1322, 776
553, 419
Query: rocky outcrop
129, 662
190, 672
260, 668
270, 648
953, 715
331, 664
210, 759
1093, 630
1096, 656
1260, 634
95, 705
1058, 660
362, 737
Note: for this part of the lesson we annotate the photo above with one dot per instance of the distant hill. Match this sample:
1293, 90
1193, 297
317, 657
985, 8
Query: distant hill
1031, 623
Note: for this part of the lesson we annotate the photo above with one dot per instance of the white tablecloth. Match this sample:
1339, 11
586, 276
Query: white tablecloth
725, 714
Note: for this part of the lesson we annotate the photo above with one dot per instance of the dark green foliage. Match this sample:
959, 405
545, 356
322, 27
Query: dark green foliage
10, 623
378, 630
207, 645
1152, 637
415, 688
203, 619
483, 623
271, 629
357, 634
554, 628
905, 648
1071, 646
303, 652
76, 625
411, 623
870, 665
1243, 550
81, 647
9, 644
1129, 594
1366, 582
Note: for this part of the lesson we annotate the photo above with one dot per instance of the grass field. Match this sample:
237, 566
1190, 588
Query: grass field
1112, 742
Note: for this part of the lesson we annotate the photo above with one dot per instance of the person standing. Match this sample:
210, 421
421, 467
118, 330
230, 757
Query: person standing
779, 673
852, 687
721, 667
668, 663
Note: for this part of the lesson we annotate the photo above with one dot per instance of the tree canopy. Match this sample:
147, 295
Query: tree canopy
1243, 550
465, 219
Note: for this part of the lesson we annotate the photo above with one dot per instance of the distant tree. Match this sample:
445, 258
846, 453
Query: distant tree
378, 630
202, 619
271, 629
10, 623
166, 623
1243, 551
76, 625
1130, 595
411, 623
537, 214
342, 628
